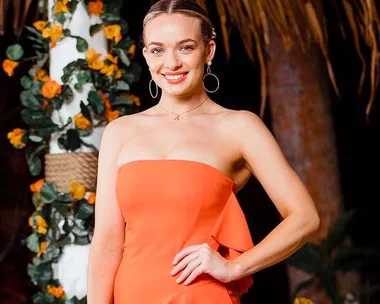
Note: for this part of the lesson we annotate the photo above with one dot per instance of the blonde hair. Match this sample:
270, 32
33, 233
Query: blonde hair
185, 7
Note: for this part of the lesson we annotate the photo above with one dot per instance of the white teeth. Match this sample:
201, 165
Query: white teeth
174, 77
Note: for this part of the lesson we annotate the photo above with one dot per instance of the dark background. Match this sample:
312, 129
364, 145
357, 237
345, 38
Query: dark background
239, 89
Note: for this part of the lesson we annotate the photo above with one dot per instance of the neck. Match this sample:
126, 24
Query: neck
179, 104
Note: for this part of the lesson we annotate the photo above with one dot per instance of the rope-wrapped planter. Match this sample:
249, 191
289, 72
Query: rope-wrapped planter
64, 168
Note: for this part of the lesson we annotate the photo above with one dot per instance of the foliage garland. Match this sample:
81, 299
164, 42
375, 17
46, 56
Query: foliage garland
67, 218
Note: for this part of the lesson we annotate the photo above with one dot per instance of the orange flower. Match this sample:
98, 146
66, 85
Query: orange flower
42, 76
60, 7
112, 58
77, 190
91, 198
15, 138
132, 50
92, 60
56, 291
39, 223
36, 187
81, 122
108, 113
9, 66
45, 104
111, 115
113, 32
42, 249
54, 32
40, 25
95, 7
51, 89
134, 98
302, 301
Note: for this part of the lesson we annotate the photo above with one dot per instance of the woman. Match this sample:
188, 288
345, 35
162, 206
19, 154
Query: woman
168, 227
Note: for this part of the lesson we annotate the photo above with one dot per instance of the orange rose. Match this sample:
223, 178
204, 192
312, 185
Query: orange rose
56, 291
42, 249
9, 66
15, 138
91, 198
77, 190
81, 122
113, 32
40, 25
95, 7
51, 89
36, 187
60, 7
42, 75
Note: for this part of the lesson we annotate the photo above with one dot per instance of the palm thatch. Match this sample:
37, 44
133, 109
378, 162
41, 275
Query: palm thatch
301, 23
18, 11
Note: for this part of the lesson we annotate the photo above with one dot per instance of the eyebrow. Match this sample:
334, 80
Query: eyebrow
177, 43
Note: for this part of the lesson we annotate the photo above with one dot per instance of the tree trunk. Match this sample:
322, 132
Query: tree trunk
302, 124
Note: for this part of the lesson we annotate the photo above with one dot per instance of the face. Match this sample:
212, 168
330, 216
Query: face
176, 54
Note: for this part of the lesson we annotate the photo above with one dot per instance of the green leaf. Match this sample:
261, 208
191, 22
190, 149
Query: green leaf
33, 30
96, 102
306, 258
125, 43
45, 132
82, 44
123, 57
82, 78
15, 52
73, 139
26, 82
42, 274
48, 193
35, 138
95, 28
40, 63
32, 154
29, 100
354, 259
60, 17
85, 111
338, 230
132, 73
122, 101
32, 242
36, 118
84, 211
122, 85
36, 88
43, 298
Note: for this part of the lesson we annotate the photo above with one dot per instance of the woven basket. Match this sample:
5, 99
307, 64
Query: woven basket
64, 168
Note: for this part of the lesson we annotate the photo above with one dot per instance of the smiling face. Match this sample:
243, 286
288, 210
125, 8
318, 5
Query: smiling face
176, 53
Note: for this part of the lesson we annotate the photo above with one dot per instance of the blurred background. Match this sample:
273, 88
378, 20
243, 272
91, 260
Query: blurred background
297, 64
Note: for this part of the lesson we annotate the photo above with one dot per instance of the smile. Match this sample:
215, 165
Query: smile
174, 79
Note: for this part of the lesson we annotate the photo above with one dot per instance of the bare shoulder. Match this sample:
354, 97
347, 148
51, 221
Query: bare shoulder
120, 129
243, 122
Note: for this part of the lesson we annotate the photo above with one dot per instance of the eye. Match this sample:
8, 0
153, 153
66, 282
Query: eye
186, 48
156, 51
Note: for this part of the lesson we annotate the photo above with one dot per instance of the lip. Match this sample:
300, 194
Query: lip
175, 81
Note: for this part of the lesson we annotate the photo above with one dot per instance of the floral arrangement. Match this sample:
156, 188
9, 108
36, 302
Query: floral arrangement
61, 220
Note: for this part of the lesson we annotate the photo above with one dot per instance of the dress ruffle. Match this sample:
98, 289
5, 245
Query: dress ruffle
232, 234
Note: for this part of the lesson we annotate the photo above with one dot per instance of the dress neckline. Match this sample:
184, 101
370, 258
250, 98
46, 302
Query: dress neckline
173, 160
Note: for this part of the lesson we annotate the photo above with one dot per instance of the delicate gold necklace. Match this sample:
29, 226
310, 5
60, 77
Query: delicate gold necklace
177, 115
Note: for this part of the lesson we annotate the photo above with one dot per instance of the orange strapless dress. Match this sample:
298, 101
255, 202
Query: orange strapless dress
169, 205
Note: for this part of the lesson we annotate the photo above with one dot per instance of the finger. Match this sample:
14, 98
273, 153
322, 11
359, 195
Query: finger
194, 274
188, 270
182, 264
186, 251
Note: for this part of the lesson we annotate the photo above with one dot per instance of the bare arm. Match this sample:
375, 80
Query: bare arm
284, 187
106, 245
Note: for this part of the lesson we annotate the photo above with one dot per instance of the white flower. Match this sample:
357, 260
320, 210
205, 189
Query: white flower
71, 270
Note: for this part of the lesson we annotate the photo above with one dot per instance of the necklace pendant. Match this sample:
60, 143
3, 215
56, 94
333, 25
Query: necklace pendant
177, 117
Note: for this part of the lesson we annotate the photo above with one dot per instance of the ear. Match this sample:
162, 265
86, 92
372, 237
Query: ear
210, 51
145, 54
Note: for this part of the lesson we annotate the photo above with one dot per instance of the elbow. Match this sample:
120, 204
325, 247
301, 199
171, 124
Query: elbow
314, 224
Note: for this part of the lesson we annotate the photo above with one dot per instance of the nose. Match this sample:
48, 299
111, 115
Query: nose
171, 61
